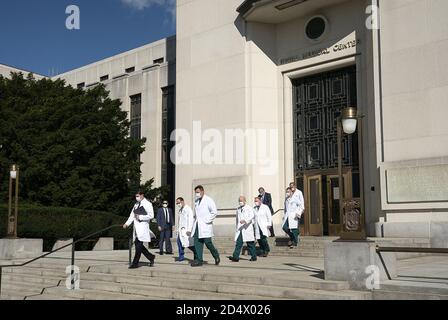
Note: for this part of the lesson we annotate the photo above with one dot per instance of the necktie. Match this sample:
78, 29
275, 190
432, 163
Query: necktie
167, 218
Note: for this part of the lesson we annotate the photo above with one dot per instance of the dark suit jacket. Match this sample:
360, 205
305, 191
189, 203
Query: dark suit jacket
161, 221
267, 201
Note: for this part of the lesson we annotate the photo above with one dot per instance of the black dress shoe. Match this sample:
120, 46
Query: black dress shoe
151, 262
233, 259
133, 267
196, 264
217, 261
253, 259
169, 253
161, 253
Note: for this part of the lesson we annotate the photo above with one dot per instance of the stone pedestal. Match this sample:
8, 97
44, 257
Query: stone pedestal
63, 242
358, 263
20, 248
104, 244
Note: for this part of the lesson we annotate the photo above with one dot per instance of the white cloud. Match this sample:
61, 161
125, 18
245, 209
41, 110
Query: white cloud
169, 5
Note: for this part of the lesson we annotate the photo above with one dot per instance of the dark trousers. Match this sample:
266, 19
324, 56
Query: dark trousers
165, 236
263, 242
271, 230
199, 247
139, 249
292, 233
182, 251
239, 247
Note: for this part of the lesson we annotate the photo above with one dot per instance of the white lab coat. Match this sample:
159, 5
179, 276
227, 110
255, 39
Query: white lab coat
247, 214
294, 208
263, 220
205, 214
141, 228
186, 220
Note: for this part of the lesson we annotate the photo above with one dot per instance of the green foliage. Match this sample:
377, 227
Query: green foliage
72, 146
51, 224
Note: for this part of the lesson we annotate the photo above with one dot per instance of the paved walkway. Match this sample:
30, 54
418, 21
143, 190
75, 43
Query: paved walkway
429, 269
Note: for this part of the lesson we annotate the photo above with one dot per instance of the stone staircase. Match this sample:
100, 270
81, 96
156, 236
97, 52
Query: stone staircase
406, 290
313, 247
286, 274
170, 280
308, 246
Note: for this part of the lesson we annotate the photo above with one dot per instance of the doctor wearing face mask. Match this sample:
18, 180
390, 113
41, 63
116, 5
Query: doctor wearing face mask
294, 208
141, 230
185, 238
263, 220
245, 232
205, 214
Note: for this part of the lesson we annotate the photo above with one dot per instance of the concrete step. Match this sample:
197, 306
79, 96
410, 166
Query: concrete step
415, 287
211, 283
273, 248
58, 265
176, 277
194, 289
397, 295
291, 253
35, 279
50, 297
89, 294
163, 292
12, 295
20, 287
35, 271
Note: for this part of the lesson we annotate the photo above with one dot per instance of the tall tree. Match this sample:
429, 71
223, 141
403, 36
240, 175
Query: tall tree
73, 146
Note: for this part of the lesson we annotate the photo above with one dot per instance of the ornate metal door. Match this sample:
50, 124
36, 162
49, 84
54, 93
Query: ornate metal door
318, 101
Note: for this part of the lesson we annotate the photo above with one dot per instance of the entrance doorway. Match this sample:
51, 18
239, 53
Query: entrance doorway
322, 196
318, 102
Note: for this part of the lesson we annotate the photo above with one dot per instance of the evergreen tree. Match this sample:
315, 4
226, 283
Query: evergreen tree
72, 146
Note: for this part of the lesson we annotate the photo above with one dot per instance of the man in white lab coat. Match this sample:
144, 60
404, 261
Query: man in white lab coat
263, 220
185, 237
205, 213
245, 232
294, 208
296, 192
141, 219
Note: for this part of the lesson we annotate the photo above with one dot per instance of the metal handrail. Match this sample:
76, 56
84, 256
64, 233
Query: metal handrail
410, 249
406, 250
72, 257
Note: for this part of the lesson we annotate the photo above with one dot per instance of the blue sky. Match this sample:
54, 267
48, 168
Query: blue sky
34, 37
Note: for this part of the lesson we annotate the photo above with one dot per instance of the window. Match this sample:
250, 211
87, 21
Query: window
130, 70
81, 85
136, 116
168, 124
316, 28
159, 61
104, 78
